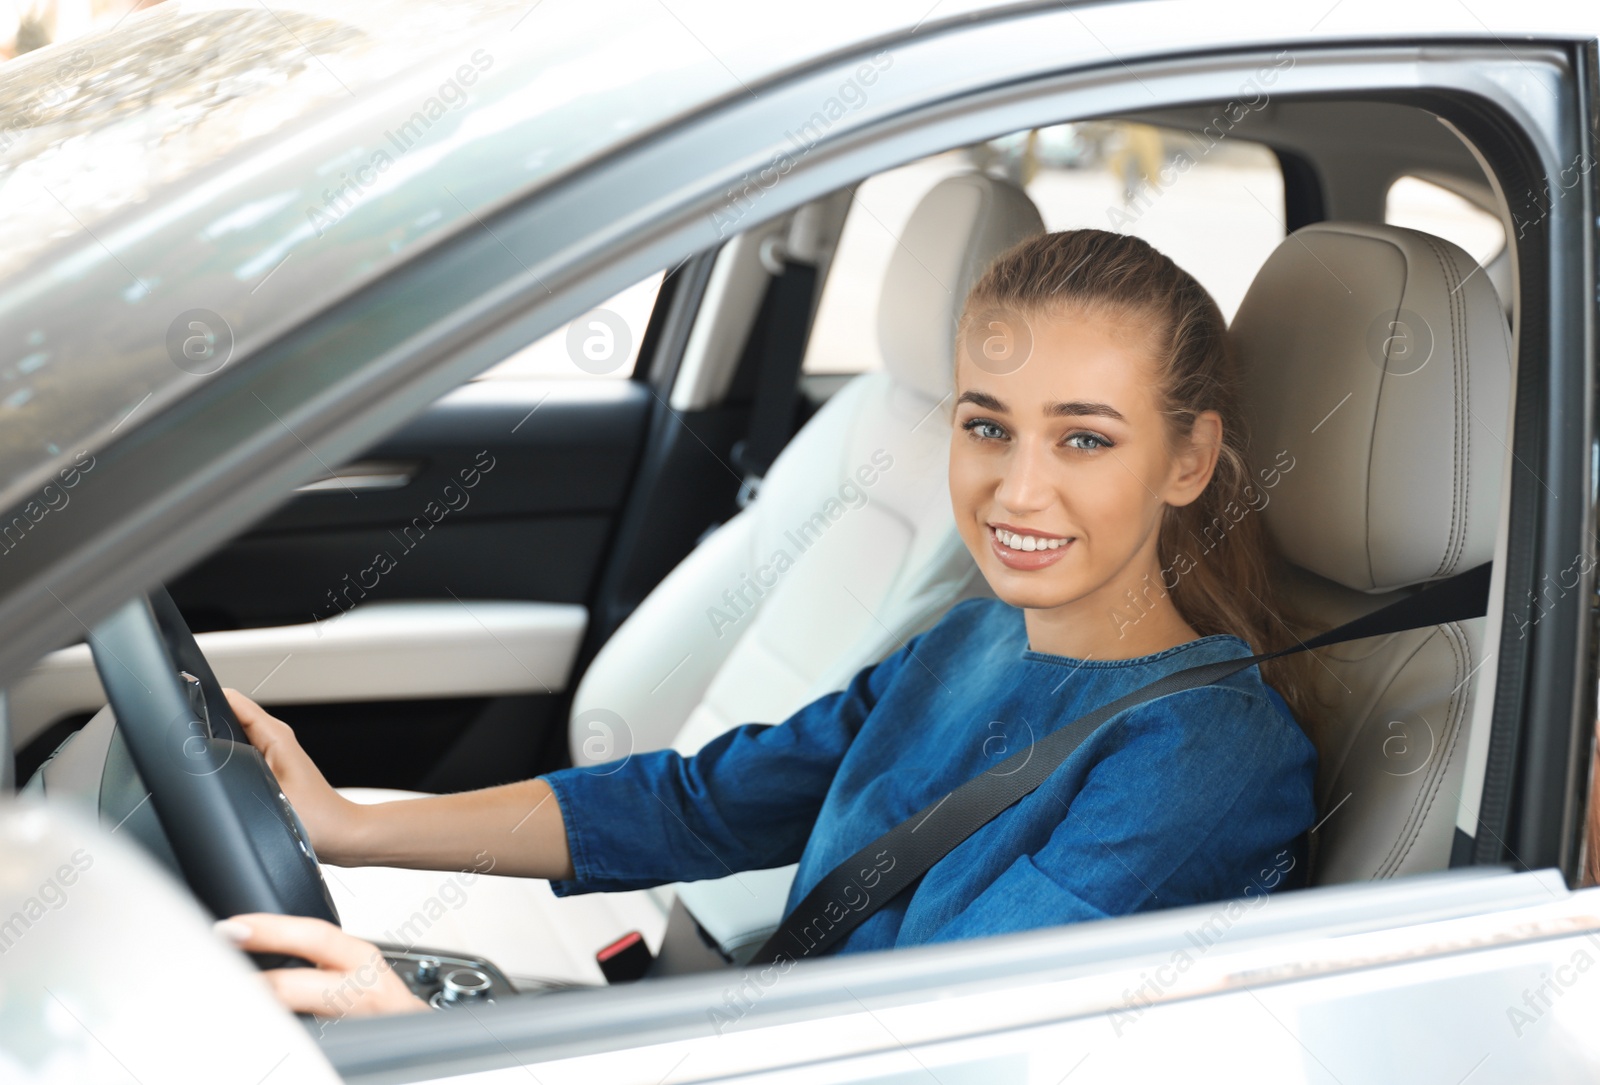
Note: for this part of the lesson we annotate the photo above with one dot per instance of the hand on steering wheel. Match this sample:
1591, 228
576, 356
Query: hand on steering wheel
350, 977
237, 839
331, 819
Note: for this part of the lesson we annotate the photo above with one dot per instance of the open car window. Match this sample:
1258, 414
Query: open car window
602, 343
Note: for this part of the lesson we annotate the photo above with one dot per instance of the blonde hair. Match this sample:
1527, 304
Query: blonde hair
1230, 588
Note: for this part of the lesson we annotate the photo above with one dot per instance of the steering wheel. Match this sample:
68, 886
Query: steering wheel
237, 840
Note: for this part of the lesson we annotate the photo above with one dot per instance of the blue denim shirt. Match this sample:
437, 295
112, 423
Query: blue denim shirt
1198, 796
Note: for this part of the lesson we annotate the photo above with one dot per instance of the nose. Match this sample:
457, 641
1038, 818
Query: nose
1026, 485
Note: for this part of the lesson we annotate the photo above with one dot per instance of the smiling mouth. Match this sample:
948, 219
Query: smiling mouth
1024, 544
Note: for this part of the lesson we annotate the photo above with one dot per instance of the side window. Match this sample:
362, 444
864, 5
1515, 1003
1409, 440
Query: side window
1215, 205
1419, 204
601, 344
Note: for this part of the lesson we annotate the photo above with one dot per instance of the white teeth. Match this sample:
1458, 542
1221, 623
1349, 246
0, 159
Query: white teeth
1028, 542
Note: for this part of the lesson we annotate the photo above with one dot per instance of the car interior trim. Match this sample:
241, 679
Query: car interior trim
372, 652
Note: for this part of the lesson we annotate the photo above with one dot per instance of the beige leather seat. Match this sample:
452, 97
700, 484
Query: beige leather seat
1378, 360
849, 549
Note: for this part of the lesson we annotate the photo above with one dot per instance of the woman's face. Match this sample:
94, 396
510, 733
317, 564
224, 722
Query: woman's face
1060, 467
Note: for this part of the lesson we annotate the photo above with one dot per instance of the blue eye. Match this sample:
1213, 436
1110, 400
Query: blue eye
1096, 442
992, 430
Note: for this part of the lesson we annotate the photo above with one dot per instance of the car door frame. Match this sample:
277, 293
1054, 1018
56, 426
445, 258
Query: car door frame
472, 299
1534, 779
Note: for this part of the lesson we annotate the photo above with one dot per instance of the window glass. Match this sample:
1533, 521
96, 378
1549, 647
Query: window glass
602, 343
1422, 205
1214, 205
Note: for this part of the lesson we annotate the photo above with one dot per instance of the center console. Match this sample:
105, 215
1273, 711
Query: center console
448, 980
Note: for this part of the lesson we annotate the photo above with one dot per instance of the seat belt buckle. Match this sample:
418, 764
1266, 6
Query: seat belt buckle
625, 960
751, 469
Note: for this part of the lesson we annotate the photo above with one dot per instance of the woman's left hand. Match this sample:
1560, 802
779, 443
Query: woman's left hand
351, 976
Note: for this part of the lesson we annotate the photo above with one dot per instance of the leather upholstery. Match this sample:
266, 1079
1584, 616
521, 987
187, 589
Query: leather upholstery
957, 230
1396, 424
1379, 360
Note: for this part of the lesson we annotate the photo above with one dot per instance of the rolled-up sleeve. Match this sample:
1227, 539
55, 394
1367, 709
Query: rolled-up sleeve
746, 801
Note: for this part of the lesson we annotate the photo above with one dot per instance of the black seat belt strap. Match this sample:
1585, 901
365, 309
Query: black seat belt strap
850, 893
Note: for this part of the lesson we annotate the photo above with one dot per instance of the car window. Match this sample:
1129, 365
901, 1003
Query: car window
1214, 206
602, 343
1419, 204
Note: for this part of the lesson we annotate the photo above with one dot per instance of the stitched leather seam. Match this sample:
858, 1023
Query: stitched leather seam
1458, 362
1378, 701
1411, 827
1454, 714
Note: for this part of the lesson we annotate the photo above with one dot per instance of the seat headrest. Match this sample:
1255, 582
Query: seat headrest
1377, 368
957, 230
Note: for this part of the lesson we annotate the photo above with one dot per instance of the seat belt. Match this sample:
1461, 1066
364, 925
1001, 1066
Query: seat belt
827, 914
787, 326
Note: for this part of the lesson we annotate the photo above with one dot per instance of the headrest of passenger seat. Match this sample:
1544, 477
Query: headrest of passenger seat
1377, 370
957, 230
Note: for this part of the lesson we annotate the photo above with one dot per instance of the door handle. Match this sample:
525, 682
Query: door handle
364, 475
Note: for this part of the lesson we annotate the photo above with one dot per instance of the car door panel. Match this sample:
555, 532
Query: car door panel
416, 615
511, 491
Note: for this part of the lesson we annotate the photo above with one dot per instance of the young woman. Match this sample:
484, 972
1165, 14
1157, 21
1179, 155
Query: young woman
1097, 475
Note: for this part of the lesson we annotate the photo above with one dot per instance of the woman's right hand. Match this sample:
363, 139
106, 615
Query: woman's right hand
349, 976
332, 820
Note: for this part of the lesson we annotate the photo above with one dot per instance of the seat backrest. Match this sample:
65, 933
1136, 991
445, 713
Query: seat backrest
1377, 372
849, 549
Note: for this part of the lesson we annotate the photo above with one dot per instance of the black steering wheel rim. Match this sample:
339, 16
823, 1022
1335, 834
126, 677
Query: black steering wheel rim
237, 840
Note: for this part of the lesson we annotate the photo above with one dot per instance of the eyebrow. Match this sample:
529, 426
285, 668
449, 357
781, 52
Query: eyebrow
1072, 408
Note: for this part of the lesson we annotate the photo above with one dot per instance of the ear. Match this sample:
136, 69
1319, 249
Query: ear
1194, 464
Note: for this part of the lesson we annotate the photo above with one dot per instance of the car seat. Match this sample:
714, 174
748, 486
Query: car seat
1376, 362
